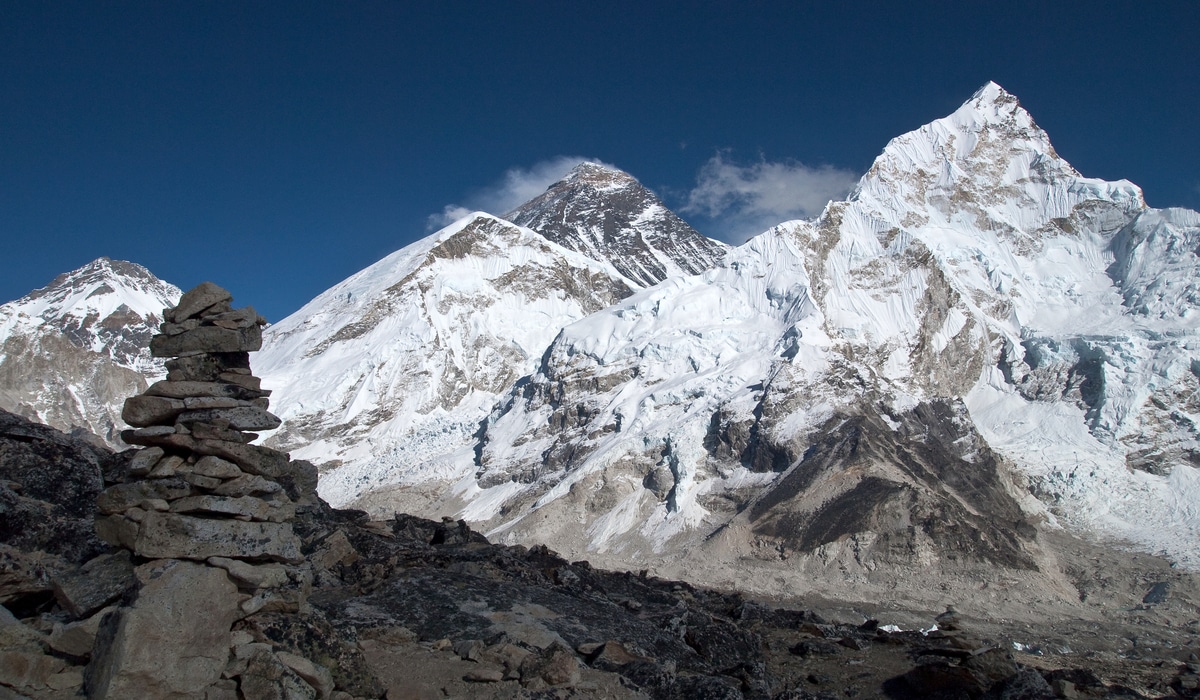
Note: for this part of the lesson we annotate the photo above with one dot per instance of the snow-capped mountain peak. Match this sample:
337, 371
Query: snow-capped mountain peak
107, 306
987, 159
72, 351
606, 214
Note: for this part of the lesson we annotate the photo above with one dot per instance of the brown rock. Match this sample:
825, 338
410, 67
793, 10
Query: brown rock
166, 467
221, 432
24, 669
207, 367
197, 299
555, 666
207, 339
202, 482
247, 484
144, 461
121, 497
195, 403
484, 675
96, 584
184, 390
247, 380
142, 411
251, 459
336, 549
238, 418
267, 678
253, 575
78, 638
65, 680
117, 530
172, 642
158, 436
169, 535
247, 506
222, 690
177, 328
237, 318
216, 468
314, 674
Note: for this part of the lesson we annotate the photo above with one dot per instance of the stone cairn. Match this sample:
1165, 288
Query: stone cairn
206, 517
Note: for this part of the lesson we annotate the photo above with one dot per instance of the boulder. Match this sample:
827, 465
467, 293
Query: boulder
206, 368
122, 497
207, 339
170, 535
247, 484
238, 418
142, 410
96, 584
173, 642
246, 507
185, 390
78, 638
216, 468
267, 678
252, 575
197, 299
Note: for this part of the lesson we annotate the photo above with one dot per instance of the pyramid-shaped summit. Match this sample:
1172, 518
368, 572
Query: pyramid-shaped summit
607, 215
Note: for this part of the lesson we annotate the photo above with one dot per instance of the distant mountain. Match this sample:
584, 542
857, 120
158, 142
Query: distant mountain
978, 346
883, 386
74, 350
607, 215
386, 377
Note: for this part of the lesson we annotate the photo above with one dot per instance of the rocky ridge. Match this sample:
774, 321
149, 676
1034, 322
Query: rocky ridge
414, 608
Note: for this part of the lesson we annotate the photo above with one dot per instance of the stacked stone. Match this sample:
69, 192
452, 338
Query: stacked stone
206, 513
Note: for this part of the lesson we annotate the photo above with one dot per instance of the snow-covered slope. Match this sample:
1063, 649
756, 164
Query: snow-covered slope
73, 351
606, 214
975, 293
385, 376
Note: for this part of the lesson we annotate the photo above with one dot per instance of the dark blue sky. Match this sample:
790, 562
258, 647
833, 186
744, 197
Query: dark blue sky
276, 148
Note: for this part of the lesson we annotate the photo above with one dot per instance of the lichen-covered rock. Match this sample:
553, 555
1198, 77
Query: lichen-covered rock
172, 642
170, 535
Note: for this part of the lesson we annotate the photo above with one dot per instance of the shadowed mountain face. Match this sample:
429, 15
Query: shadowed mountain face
919, 480
607, 215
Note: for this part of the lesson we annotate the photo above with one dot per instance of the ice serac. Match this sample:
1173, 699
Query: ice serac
72, 351
608, 215
385, 377
891, 383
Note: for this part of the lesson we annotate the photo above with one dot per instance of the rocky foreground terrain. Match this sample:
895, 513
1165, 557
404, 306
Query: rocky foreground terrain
410, 608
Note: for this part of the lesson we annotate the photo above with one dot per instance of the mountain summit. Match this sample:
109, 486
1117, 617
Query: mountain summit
606, 214
71, 351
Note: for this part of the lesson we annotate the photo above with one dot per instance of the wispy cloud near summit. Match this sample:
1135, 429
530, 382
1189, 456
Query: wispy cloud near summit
743, 200
517, 186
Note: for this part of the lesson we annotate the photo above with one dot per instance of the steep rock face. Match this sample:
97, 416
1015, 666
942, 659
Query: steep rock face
72, 351
972, 268
388, 374
607, 215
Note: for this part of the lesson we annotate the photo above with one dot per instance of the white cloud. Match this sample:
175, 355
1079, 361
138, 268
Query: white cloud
744, 200
515, 187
